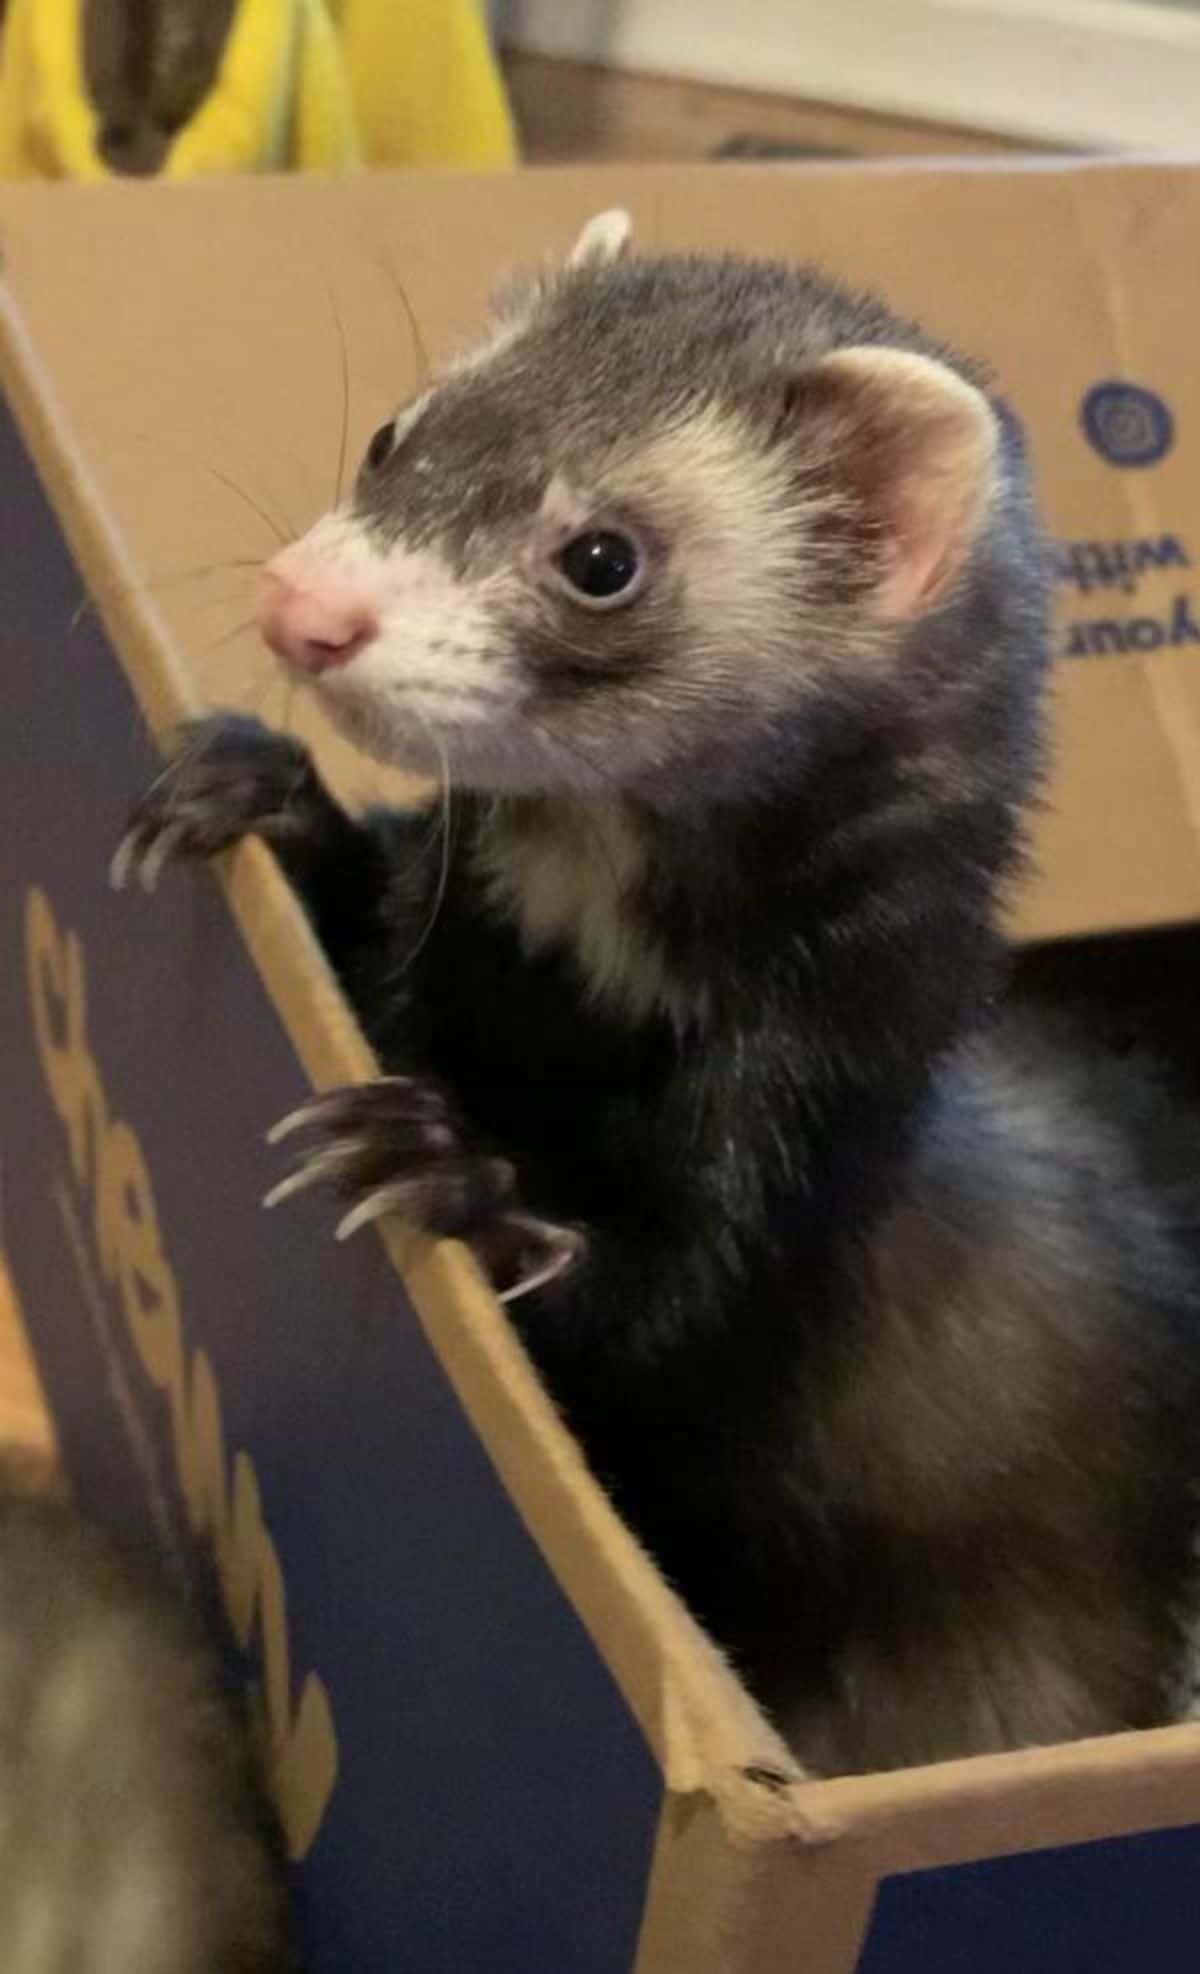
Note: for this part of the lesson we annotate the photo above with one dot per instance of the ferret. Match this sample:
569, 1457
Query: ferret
715, 596
148, 65
134, 1832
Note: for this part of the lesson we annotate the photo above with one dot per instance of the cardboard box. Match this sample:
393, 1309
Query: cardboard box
501, 1743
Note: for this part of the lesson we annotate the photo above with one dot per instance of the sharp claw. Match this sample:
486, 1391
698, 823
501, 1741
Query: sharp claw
375, 1207
555, 1267
152, 864
323, 1109
124, 860
295, 1182
556, 1264
296, 1120
322, 1163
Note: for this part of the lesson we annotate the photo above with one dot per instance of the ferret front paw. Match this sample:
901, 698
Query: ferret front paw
394, 1146
228, 777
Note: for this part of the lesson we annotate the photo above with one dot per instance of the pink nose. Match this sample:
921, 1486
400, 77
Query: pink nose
314, 633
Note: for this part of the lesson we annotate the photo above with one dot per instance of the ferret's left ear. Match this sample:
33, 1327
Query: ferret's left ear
916, 446
605, 238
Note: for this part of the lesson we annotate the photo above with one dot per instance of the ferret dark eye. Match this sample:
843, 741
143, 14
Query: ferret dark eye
381, 445
600, 566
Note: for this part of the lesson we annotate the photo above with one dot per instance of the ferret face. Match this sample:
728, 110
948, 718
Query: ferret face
659, 508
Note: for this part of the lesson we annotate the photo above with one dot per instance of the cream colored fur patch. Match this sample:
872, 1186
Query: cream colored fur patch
571, 884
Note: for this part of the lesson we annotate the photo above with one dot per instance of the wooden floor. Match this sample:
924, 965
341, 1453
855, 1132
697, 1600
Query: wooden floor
573, 113
22, 1413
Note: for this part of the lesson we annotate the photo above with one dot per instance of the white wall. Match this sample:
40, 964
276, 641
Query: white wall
1119, 73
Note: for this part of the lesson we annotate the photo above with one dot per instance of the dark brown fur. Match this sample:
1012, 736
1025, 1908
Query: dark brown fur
134, 1834
886, 1331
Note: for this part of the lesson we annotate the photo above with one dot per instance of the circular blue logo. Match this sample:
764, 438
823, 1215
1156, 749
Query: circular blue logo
1126, 424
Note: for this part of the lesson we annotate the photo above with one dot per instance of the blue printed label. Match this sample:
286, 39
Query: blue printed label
1127, 424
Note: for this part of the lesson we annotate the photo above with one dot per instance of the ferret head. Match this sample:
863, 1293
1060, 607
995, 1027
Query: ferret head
668, 502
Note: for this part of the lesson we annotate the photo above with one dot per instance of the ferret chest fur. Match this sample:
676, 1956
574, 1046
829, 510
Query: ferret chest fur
572, 875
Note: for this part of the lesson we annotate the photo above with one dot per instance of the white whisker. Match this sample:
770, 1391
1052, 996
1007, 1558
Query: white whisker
438, 745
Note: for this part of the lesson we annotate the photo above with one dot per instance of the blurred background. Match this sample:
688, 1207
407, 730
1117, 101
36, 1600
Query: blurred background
642, 79
180, 86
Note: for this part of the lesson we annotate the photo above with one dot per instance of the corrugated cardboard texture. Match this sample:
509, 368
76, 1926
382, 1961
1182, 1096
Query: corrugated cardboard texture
154, 314
198, 369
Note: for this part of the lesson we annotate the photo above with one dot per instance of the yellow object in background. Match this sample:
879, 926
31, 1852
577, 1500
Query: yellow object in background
423, 82
302, 84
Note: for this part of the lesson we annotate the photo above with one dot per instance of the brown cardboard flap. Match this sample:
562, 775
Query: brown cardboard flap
153, 306
954, 1814
1116, 845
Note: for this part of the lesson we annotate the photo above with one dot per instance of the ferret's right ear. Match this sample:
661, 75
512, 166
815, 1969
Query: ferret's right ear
914, 446
605, 238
